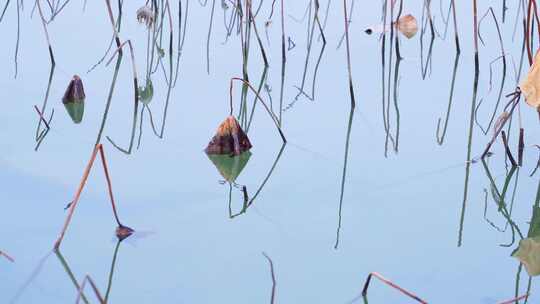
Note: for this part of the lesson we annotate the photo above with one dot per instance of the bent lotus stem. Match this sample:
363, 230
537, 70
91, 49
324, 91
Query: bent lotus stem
40, 135
44, 23
441, 132
389, 283
169, 81
272, 115
135, 92
117, 67
70, 274
247, 201
43, 133
98, 148
113, 23
88, 279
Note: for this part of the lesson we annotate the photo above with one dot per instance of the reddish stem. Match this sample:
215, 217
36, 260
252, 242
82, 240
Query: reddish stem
98, 148
391, 284
523, 297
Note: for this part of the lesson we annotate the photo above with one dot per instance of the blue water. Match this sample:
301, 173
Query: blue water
401, 214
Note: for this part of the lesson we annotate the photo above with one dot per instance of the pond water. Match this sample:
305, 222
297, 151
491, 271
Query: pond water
417, 215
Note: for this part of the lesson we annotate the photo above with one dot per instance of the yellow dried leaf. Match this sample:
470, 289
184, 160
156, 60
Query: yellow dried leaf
528, 253
407, 25
530, 86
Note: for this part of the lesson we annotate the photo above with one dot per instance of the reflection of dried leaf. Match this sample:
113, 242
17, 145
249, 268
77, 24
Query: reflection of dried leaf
145, 15
528, 253
530, 86
229, 139
407, 26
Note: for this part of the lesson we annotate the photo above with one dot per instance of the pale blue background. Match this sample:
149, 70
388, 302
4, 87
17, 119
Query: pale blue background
400, 216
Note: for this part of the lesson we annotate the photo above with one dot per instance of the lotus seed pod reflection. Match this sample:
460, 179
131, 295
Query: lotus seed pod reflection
73, 99
228, 166
229, 139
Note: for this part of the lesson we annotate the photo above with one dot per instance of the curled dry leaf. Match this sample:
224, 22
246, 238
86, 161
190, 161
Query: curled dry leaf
528, 253
407, 25
530, 86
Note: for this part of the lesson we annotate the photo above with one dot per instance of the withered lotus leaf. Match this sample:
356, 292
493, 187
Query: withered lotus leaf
530, 86
73, 99
528, 253
229, 139
407, 25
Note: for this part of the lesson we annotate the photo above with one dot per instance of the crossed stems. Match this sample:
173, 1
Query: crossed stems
514, 101
247, 201
122, 230
135, 92
42, 134
272, 115
87, 278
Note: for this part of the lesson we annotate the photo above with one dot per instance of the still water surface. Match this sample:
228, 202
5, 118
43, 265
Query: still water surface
402, 215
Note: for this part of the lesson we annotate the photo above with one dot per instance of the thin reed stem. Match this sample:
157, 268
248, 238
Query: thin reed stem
273, 294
